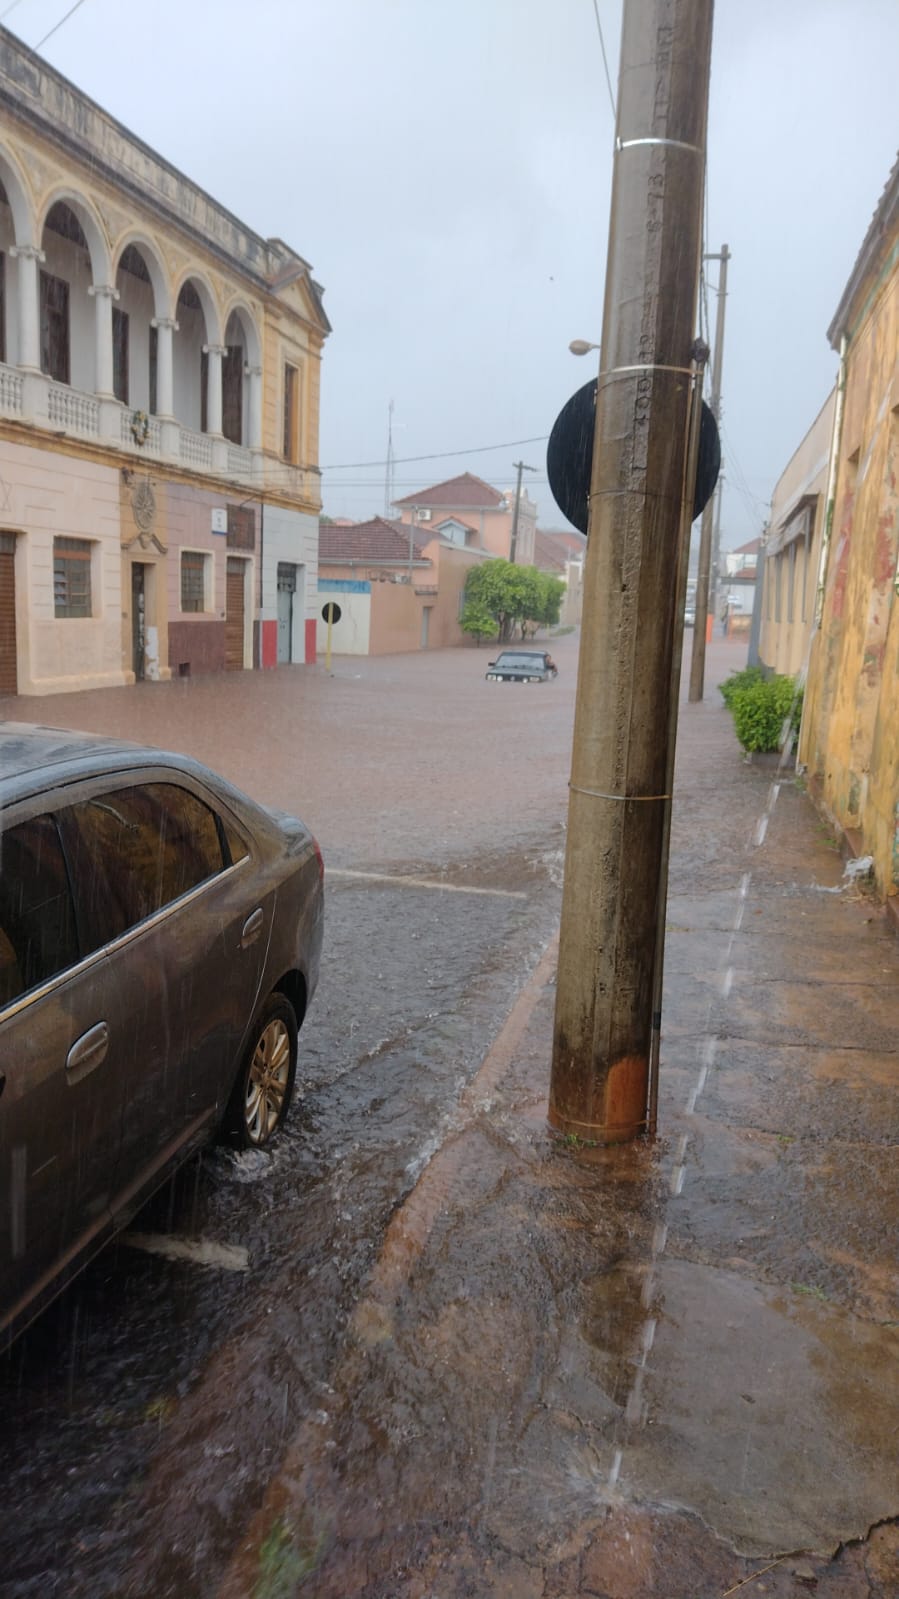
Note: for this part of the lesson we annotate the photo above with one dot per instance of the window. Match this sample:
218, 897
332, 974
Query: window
72, 577
232, 394
154, 358
193, 580
289, 450
135, 850
37, 922
120, 354
55, 327
241, 534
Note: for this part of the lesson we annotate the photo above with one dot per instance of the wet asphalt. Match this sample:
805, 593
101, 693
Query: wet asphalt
465, 1359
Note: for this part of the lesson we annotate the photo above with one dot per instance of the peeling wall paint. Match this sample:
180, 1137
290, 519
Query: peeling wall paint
852, 746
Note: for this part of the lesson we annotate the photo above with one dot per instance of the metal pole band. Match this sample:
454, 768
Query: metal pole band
645, 366
596, 793
676, 144
594, 1132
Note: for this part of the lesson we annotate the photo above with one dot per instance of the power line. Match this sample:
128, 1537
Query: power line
57, 25
605, 61
440, 455
5, 14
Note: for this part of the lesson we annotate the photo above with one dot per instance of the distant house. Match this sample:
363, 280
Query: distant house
738, 596
793, 550
561, 553
481, 510
397, 585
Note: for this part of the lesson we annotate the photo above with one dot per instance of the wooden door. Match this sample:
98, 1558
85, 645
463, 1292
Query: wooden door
234, 614
9, 683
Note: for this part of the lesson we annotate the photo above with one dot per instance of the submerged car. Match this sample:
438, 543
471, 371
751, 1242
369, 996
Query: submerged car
522, 666
160, 937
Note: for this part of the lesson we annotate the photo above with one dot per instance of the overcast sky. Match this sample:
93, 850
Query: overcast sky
445, 166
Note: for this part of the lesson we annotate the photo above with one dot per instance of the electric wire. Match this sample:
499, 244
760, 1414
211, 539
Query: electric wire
605, 60
57, 25
5, 13
438, 455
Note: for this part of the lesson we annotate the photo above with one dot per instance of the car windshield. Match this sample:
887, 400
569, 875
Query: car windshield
520, 659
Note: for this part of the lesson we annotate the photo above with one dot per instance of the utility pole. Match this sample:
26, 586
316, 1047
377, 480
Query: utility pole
611, 930
697, 662
389, 465
520, 466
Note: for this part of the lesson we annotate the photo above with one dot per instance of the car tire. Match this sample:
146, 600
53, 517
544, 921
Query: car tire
263, 1090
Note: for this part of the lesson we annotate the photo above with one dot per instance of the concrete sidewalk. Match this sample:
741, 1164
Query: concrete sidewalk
664, 1369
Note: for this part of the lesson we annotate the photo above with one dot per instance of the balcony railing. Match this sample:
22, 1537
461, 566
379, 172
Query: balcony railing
195, 449
77, 413
10, 391
39, 401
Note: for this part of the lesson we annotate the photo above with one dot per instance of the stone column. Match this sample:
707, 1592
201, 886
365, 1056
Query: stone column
254, 436
29, 258
214, 388
166, 327
104, 294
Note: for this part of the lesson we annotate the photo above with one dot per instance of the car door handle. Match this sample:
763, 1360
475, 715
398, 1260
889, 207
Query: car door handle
252, 927
87, 1052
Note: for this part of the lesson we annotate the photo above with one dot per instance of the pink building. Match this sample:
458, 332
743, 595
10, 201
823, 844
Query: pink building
469, 512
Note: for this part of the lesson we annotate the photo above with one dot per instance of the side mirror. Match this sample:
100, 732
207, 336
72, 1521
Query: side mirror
491, 663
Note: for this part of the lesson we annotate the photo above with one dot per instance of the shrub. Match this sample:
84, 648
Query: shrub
738, 681
766, 711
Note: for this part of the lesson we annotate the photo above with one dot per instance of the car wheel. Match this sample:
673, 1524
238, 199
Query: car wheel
262, 1093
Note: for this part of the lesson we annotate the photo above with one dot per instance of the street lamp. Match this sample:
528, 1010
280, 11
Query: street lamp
581, 347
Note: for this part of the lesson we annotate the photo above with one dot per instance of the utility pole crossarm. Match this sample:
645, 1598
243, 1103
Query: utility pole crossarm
513, 543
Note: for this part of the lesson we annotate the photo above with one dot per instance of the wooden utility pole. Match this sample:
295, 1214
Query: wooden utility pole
697, 660
520, 467
611, 928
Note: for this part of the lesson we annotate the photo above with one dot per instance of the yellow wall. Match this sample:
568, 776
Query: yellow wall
790, 567
851, 724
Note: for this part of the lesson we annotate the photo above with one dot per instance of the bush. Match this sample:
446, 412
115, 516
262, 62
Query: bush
738, 681
766, 711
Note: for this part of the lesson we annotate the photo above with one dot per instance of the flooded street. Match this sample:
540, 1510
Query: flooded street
420, 1349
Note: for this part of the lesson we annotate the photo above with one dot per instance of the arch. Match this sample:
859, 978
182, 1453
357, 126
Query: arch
207, 301
91, 226
252, 342
20, 202
163, 304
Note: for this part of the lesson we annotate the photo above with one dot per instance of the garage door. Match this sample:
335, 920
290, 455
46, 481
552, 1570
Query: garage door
234, 614
8, 679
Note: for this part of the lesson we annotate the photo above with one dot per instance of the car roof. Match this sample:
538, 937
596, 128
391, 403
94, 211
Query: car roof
27, 746
33, 758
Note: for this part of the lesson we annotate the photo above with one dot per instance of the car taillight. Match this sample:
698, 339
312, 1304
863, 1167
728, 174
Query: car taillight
320, 858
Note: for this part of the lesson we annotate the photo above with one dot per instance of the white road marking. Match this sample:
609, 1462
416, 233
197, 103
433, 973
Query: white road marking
196, 1251
420, 882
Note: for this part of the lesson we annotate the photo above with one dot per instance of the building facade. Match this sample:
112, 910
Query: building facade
159, 398
792, 551
394, 586
850, 727
484, 514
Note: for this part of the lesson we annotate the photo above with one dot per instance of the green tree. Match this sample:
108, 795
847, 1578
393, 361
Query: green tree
500, 597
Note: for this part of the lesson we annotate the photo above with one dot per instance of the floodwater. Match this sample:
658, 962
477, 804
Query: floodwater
422, 1349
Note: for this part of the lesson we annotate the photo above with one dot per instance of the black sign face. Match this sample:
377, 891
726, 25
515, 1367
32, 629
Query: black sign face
331, 611
569, 457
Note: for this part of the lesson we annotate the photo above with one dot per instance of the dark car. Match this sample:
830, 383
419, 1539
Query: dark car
522, 666
160, 937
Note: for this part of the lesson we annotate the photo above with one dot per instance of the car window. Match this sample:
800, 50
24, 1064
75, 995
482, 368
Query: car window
136, 850
37, 922
531, 663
